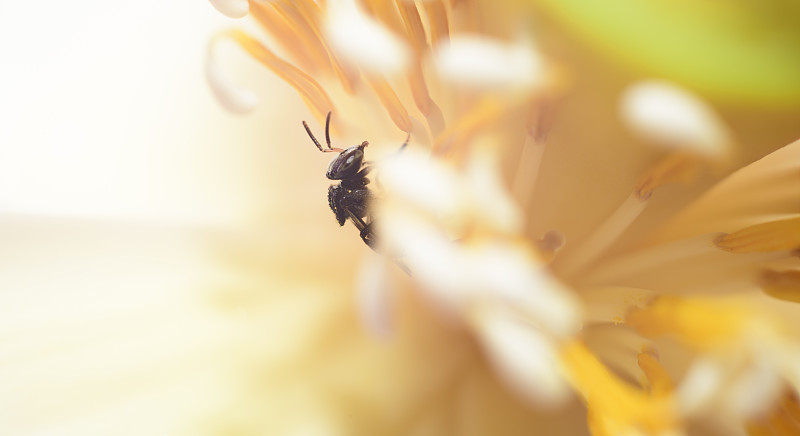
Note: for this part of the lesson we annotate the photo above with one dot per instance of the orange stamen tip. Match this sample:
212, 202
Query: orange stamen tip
779, 235
783, 285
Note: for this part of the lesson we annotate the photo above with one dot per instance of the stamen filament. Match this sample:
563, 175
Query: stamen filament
285, 34
311, 92
676, 167
346, 76
651, 258
470, 20
437, 21
419, 89
781, 235
385, 12
390, 101
605, 235
413, 23
481, 115
528, 170
765, 188
308, 35
540, 121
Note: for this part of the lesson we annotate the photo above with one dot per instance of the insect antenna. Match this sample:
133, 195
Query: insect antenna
328, 129
327, 137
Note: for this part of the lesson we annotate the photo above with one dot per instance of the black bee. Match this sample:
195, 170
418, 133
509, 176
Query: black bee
351, 197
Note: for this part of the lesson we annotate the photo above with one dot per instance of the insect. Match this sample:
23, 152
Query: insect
350, 199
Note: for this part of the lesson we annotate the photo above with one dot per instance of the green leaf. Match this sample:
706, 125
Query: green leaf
741, 52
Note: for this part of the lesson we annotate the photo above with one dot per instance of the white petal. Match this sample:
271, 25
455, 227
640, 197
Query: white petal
435, 262
232, 8
671, 116
753, 392
525, 359
457, 275
425, 183
700, 386
510, 275
230, 96
489, 63
363, 42
374, 295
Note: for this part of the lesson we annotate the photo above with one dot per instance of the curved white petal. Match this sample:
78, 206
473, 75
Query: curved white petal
230, 96
526, 360
484, 62
363, 42
669, 115
374, 295
232, 8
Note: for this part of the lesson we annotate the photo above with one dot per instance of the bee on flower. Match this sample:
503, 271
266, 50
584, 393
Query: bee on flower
581, 300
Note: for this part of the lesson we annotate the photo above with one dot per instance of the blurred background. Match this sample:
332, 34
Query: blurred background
152, 245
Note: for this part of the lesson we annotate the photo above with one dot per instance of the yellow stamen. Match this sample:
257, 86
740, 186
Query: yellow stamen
311, 92
435, 119
758, 429
699, 322
481, 115
392, 104
470, 19
305, 32
310, 10
410, 16
781, 235
385, 12
782, 425
621, 405
599, 425
676, 167
438, 22
658, 380
419, 90
765, 188
790, 405
783, 285
284, 33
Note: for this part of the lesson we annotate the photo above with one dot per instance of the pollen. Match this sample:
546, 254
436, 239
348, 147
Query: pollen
616, 407
700, 322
